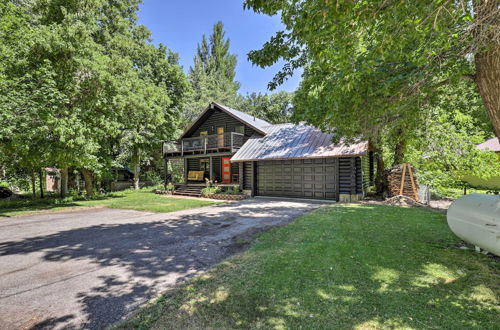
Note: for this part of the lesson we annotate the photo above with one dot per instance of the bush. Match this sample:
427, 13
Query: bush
207, 191
233, 191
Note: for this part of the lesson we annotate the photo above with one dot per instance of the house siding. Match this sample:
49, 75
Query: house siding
350, 176
247, 175
221, 119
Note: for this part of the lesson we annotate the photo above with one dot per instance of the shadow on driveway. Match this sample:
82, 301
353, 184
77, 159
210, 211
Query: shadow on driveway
131, 262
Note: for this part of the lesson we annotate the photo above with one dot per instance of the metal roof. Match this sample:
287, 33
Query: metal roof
254, 122
289, 141
490, 145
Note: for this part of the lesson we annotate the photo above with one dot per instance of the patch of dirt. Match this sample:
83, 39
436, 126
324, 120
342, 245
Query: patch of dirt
405, 201
401, 200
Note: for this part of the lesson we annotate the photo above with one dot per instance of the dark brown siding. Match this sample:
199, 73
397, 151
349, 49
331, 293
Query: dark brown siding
307, 178
217, 169
221, 119
350, 177
193, 164
247, 175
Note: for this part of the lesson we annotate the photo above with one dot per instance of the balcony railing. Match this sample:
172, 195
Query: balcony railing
204, 144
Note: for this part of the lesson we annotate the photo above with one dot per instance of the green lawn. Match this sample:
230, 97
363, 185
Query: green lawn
142, 200
343, 266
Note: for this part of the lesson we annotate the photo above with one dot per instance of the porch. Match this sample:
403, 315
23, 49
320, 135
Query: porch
217, 169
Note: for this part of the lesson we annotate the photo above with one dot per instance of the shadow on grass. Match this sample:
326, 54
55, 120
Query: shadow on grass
28, 205
342, 267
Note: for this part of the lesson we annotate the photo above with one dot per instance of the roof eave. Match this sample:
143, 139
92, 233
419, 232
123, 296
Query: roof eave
296, 158
221, 108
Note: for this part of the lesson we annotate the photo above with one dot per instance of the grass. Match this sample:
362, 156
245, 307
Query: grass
141, 200
340, 267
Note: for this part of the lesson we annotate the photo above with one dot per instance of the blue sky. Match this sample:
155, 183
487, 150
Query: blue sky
180, 25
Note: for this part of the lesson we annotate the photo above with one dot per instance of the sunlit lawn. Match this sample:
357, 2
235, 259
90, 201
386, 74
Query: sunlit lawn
142, 200
344, 266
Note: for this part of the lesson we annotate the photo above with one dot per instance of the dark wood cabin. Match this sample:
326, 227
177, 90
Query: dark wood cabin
285, 160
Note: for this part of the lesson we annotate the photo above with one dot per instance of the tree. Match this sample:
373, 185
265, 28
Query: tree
412, 47
275, 108
445, 147
85, 79
213, 73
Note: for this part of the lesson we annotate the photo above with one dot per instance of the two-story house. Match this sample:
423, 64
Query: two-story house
285, 160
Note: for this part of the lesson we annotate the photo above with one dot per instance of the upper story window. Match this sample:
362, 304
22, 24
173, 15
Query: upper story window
240, 129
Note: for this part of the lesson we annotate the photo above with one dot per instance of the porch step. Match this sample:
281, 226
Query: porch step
188, 191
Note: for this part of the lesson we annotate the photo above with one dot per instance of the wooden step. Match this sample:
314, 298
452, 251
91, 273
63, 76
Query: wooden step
194, 191
187, 194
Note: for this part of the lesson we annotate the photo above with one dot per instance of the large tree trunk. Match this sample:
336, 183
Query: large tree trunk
88, 177
33, 183
136, 164
399, 150
487, 62
488, 81
64, 182
380, 186
40, 176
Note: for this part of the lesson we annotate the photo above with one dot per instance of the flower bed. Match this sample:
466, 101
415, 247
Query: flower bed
227, 197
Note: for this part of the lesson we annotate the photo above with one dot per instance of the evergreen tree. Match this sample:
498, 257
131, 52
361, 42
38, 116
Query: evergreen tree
212, 74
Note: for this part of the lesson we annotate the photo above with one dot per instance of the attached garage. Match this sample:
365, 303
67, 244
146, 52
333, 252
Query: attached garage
300, 178
301, 161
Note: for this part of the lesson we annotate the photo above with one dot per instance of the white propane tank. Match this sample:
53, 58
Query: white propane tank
475, 218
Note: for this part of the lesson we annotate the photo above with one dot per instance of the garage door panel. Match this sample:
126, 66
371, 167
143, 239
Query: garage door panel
311, 178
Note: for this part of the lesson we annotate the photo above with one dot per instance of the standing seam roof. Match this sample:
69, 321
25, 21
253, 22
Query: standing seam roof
289, 141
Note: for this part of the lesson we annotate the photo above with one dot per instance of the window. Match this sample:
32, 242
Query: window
202, 133
240, 129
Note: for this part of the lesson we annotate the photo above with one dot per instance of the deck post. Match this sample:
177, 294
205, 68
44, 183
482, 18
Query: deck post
185, 170
211, 175
232, 138
240, 175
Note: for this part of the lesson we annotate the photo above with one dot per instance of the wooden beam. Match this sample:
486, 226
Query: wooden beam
240, 175
413, 184
353, 176
211, 175
254, 178
403, 179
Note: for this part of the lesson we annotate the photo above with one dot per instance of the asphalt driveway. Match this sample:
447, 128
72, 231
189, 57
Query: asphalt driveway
88, 269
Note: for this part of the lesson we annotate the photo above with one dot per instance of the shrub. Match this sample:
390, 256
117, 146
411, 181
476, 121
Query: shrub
207, 191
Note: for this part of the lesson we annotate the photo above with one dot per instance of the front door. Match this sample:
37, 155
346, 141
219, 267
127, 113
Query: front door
220, 137
226, 169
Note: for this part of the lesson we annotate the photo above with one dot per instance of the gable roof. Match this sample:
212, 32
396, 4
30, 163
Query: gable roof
490, 145
289, 141
249, 120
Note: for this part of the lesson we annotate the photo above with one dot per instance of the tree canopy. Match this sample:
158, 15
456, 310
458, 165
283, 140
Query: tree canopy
382, 60
81, 82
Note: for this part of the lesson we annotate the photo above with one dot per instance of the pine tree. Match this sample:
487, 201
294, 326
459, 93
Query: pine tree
213, 73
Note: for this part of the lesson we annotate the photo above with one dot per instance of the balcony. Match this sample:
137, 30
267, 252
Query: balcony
229, 142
